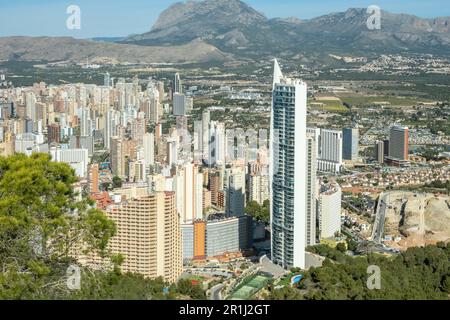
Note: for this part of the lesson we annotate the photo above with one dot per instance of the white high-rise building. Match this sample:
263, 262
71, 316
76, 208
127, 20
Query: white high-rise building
139, 170
172, 152
315, 134
216, 143
330, 151
107, 80
177, 86
30, 106
189, 193
311, 214
149, 149
153, 105
234, 187
198, 194
288, 171
85, 123
258, 187
78, 159
206, 119
329, 205
112, 120
197, 142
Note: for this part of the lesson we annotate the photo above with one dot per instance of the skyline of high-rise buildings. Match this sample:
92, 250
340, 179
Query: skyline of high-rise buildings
212, 171
187, 188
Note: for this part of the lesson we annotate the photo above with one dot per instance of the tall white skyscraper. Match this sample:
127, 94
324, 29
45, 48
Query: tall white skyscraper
288, 170
154, 106
205, 134
112, 120
30, 106
107, 80
172, 151
149, 149
177, 87
189, 192
216, 143
315, 134
85, 123
197, 141
311, 215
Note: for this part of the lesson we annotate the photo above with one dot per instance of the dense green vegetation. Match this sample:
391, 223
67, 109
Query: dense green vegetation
439, 185
117, 182
436, 186
431, 152
42, 223
259, 212
418, 273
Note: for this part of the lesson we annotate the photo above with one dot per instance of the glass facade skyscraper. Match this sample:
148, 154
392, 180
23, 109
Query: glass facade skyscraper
288, 171
399, 143
350, 143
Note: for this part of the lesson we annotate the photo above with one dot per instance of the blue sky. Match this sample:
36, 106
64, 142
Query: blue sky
120, 18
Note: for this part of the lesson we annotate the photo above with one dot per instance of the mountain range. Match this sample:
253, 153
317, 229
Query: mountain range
53, 49
222, 30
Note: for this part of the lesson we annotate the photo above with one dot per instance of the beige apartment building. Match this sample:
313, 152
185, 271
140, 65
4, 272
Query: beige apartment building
149, 236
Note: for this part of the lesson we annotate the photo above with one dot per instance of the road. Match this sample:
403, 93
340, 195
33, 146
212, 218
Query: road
214, 293
268, 267
378, 226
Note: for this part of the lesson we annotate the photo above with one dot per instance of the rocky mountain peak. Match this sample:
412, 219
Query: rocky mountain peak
207, 11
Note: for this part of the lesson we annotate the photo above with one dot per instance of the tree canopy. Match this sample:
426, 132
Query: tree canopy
258, 212
41, 224
45, 225
418, 273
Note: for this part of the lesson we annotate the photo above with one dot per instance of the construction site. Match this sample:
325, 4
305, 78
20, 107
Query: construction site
415, 219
